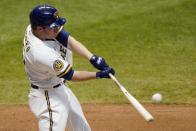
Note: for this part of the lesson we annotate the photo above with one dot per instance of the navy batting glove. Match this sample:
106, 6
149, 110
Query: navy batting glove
98, 62
105, 73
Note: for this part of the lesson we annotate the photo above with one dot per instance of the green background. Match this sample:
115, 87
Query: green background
150, 43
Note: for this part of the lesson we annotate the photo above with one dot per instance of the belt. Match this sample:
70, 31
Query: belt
37, 87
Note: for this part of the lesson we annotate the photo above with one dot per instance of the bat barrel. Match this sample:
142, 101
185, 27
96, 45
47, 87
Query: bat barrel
143, 112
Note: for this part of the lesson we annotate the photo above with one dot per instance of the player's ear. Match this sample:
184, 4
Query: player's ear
40, 28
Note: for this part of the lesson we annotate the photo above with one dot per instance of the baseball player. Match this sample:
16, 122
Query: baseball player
47, 61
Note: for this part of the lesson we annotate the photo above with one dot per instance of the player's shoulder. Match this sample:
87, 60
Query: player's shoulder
31, 38
35, 47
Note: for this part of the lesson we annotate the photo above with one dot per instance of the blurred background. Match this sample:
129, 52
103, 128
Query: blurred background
150, 43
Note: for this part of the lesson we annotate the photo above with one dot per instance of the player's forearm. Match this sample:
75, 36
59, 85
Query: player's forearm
78, 48
83, 75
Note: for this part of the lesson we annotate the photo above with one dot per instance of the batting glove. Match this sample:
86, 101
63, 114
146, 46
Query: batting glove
105, 73
98, 62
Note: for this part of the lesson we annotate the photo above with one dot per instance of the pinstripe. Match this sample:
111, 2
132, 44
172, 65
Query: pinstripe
49, 109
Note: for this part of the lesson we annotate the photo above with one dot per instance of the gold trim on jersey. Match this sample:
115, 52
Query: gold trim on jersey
60, 29
65, 71
49, 110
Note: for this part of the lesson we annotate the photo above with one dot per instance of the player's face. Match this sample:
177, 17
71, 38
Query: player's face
51, 33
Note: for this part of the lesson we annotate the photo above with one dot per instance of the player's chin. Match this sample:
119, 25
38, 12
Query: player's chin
53, 36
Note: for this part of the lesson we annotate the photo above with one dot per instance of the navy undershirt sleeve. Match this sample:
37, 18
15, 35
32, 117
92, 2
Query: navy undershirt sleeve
62, 37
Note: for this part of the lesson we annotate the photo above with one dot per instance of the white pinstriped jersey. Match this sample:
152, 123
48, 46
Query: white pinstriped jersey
44, 61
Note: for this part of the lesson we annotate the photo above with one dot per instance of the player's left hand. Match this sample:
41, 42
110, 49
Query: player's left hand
98, 62
105, 73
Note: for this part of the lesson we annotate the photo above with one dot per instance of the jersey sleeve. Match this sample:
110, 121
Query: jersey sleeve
62, 68
62, 37
54, 65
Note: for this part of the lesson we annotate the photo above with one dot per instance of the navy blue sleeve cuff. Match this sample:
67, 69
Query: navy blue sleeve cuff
68, 75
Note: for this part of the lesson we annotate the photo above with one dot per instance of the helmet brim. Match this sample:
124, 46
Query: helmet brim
60, 21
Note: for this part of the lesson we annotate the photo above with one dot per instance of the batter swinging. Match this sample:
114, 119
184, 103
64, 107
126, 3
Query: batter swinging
48, 64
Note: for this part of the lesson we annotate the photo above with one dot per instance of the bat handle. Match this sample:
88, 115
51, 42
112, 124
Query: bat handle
113, 77
115, 80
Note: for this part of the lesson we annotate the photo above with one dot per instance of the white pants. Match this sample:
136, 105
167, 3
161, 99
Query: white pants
57, 109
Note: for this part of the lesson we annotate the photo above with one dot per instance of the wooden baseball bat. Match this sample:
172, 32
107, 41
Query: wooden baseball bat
143, 112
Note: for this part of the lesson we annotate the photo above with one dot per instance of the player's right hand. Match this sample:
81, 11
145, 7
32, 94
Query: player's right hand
105, 73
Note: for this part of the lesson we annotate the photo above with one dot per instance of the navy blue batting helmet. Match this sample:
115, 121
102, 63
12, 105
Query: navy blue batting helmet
46, 16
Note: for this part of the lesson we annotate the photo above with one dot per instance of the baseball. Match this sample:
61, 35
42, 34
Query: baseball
157, 98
